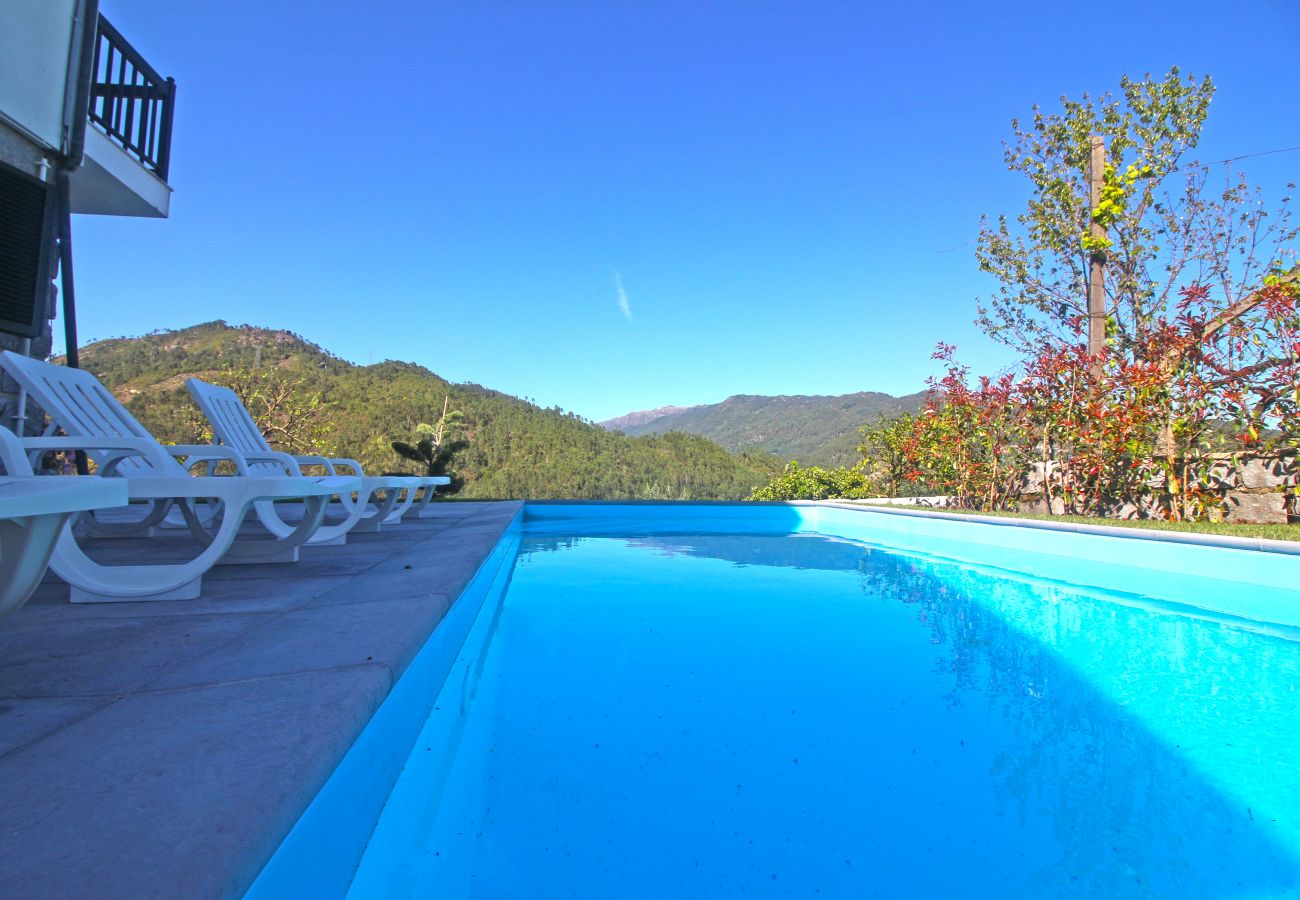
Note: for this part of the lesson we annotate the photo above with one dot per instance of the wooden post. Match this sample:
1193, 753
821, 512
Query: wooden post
1097, 259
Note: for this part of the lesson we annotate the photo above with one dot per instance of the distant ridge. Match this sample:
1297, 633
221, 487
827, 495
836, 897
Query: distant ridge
643, 417
816, 430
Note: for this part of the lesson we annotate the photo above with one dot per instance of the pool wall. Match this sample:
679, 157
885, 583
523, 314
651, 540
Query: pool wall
1213, 574
319, 856
1217, 577
321, 852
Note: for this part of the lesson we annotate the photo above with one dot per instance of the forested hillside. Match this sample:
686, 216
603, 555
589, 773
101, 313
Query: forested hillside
815, 430
516, 449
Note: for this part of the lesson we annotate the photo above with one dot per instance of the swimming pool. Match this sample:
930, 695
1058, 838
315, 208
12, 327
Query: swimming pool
702, 702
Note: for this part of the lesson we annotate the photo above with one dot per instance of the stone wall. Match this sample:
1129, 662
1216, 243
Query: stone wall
1254, 489
1264, 490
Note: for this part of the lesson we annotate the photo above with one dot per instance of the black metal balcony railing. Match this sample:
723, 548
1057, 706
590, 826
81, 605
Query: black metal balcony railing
130, 101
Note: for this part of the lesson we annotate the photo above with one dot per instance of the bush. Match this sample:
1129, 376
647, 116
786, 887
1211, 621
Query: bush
815, 483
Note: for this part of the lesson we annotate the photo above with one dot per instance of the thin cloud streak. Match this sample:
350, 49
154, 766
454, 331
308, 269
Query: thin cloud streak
623, 305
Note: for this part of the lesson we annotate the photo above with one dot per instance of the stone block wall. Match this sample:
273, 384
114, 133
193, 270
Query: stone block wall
1265, 490
1256, 489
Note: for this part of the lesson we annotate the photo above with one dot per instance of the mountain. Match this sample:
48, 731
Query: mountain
633, 419
516, 449
816, 430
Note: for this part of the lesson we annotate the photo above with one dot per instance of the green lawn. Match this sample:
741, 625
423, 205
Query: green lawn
1269, 532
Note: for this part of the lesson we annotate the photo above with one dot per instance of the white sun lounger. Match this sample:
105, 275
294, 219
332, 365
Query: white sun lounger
33, 513
233, 426
121, 447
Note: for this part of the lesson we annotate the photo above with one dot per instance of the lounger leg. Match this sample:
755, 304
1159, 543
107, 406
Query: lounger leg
395, 517
95, 583
422, 511
136, 528
189, 590
207, 512
369, 524
25, 547
328, 534
282, 548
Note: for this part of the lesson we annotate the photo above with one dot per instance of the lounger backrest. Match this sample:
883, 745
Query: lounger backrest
76, 402
232, 425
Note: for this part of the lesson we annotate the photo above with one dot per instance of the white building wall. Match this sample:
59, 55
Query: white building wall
35, 48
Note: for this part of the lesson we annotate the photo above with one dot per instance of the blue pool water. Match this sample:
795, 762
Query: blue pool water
798, 715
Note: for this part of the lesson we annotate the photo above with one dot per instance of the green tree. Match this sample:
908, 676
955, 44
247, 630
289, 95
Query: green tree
1200, 278
291, 416
1172, 223
433, 449
814, 483
885, 458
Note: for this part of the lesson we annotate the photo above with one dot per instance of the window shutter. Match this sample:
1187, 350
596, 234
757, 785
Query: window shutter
27, 217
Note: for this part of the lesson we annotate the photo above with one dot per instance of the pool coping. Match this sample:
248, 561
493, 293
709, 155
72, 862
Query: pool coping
1231, 542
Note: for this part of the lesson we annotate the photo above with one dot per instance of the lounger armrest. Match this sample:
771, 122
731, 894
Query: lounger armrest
284, 460
312, 460
115, 449
349, 463
135, 446
107, 462
196, 453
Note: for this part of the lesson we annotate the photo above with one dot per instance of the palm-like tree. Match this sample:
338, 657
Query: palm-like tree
432, 449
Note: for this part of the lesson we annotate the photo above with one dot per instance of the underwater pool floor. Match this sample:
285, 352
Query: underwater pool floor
718, 715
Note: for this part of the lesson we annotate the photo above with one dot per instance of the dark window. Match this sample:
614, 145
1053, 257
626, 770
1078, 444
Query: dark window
27, 216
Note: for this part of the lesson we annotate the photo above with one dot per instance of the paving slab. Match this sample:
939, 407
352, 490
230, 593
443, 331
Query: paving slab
30, 720
220, 595
164, 749
387, 632
163, 794
83, 657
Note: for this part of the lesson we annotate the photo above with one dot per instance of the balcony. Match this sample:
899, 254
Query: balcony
128, 135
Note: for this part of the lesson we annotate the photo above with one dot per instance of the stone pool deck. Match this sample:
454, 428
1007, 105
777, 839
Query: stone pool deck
165, 749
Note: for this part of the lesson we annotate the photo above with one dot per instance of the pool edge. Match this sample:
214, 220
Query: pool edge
294, 867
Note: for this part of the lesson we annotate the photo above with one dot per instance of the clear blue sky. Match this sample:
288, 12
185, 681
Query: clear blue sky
611, 206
